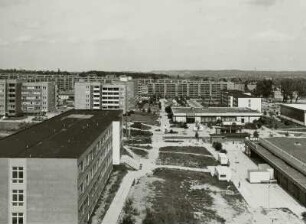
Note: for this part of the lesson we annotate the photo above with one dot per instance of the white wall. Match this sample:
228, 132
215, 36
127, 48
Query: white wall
252, 103
116, 142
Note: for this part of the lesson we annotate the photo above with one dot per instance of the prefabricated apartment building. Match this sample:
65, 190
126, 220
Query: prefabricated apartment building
55, 171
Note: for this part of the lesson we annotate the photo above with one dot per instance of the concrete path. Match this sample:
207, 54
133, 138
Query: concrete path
266, 196
113, 213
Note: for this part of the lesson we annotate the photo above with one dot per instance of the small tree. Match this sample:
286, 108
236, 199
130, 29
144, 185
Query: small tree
149, 110
217, 146
197, 135
256, 134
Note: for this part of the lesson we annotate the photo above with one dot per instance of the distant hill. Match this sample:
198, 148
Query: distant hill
230, 74
83, 74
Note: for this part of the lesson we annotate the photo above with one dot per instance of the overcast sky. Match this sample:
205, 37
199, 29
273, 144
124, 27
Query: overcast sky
144, 35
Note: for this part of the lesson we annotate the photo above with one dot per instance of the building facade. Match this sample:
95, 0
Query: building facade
210, 90
228, 116
39, 97
97, 95
234, 98
294, 112
10, 98
54, 172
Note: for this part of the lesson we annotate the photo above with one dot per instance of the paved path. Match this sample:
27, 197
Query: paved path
257, 195
113, 213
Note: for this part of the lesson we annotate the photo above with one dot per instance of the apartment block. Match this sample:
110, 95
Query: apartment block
10, 98
39, 97
55, 171
209, 90
97, 95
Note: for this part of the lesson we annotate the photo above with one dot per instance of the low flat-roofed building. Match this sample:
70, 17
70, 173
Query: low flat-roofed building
235, 98
294, 112
55, 171
227, 115
287, 156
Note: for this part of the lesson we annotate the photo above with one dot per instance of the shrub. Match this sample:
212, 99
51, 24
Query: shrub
256, 134
217, 146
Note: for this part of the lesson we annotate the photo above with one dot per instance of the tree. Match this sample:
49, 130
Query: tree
264, 88
300, 88
256, 134
197, 135
287, 89
217, 146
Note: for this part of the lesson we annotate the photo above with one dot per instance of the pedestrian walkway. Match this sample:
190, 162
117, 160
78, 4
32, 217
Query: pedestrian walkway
113, 213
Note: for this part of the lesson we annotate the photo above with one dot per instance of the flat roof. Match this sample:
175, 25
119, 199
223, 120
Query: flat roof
294, 146
296, 106
213, 110
282, 166
67, 135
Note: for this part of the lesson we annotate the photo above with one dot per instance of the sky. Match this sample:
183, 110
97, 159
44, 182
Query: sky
145, 35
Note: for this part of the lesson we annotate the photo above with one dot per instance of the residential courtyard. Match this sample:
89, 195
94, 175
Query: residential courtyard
175, 185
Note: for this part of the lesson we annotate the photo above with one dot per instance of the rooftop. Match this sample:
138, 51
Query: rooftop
294, 146
214, 110
67, 135
297, 106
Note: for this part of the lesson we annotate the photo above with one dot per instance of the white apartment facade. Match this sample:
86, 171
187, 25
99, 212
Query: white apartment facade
38, 97
97, 95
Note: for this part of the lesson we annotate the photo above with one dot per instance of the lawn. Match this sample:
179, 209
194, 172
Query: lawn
143, 117
188, 149
138, 140
186, 160
172, 196
140, 125
140, 152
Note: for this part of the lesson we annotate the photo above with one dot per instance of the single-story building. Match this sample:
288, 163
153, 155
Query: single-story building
223, 173
294, 112
227, 115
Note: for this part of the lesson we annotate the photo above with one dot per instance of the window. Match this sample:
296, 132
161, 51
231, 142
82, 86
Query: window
17, 218
17, 174
17, 198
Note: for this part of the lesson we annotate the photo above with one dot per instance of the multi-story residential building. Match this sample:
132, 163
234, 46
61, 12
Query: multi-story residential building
55, 171
209, 90
10, 98
97, 95
64, 82
38, 97
235, 98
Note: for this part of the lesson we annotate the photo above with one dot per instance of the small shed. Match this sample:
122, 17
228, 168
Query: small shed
223, 173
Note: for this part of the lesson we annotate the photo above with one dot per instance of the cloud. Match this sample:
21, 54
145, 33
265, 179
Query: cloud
273, 36
266, 3
3, 42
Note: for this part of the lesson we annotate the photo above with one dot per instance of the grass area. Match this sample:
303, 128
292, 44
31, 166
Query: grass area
188, 149
180, 198
186, 160
110, 190
138, 140
140, 125
140, 152
143, 117
147, 147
